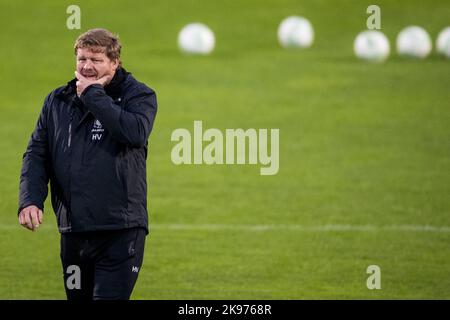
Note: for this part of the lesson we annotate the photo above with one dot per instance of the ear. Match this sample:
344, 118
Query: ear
115, 63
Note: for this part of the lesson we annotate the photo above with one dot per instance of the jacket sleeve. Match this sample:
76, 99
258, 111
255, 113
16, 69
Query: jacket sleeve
130, 125
34, 176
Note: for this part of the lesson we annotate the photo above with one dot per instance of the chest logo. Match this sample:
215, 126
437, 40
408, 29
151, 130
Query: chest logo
97, 124
97, 131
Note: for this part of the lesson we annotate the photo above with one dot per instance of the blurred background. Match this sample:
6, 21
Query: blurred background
364, 150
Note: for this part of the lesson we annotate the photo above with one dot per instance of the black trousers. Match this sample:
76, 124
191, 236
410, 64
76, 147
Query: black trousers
102, 265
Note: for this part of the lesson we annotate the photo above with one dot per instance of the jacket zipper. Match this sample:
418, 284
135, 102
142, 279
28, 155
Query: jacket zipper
69, 140
69, 143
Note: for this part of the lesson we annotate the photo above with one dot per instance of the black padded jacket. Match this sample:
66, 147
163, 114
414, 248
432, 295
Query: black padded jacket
93, 151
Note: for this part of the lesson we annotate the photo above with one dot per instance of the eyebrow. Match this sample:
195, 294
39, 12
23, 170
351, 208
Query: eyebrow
92, 58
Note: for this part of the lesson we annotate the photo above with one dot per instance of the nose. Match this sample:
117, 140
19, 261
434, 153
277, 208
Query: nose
88, 65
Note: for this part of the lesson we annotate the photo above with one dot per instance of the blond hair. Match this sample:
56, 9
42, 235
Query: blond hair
100, 40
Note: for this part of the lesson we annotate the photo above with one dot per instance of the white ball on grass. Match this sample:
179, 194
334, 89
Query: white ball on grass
296, 32
196, 38
443, 42
414, 41
371, 45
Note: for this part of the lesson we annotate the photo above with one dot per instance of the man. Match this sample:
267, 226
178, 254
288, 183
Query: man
90, 142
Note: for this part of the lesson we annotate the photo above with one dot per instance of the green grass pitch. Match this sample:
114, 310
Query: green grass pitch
364, 173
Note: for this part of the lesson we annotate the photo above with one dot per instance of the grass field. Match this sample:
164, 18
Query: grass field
364, 151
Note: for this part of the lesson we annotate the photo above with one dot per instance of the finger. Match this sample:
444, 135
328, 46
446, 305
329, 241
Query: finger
34, 218
105, 79
40, 216
79, 76
21, 221
106, 76
27, 219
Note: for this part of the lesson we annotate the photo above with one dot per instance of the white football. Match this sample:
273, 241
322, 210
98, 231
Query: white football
196, 38
414, 41
295, 32
371, 45
443, 42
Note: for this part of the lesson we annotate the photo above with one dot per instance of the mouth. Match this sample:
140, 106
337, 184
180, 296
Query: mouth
90, 76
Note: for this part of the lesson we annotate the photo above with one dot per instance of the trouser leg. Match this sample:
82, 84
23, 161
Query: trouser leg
118, 265
77, 270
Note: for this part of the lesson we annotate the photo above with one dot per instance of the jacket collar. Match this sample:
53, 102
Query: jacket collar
114, 88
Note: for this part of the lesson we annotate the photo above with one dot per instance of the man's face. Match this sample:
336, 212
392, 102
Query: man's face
94, 65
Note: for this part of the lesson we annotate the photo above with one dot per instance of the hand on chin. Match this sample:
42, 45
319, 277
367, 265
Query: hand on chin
85, 81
